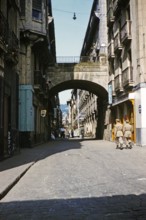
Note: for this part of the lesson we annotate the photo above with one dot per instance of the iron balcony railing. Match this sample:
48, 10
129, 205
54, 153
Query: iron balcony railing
74, 59
68, 59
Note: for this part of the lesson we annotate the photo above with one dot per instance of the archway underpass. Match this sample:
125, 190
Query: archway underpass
83, 75
92, 88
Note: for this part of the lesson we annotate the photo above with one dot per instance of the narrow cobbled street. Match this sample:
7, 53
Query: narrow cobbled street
74, 180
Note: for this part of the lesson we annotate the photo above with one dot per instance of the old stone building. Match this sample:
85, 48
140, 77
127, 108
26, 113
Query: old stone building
9, 77
94, 49
95, 42
37, 50
88, 112
126, 55
120, 61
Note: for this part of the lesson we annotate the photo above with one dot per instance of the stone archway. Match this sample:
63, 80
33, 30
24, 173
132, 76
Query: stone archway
96, 73
92, 87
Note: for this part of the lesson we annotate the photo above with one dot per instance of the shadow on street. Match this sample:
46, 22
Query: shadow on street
40, 152
118, 207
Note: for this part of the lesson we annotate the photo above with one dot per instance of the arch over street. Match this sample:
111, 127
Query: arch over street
80, 84
89, 76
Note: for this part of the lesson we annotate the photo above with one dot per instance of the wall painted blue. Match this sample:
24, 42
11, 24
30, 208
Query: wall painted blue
26, 108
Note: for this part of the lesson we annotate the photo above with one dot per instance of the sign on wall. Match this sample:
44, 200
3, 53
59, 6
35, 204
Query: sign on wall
43, 113
110, 94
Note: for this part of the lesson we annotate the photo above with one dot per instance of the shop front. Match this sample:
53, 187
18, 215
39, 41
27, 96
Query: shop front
123, 110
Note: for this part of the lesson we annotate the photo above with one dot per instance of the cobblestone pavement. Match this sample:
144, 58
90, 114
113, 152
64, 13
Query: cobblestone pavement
80, 180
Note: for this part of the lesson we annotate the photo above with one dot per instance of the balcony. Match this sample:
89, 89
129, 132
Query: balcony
110, 16
123, 3
38, 80
113, 88
115, 6
118, 83
126, 32
9, 41
12, 48
3, 31
117, 43
111, 53
12, 41
127, 77
44, 89
40, 84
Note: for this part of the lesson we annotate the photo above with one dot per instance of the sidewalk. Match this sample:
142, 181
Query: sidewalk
12, 169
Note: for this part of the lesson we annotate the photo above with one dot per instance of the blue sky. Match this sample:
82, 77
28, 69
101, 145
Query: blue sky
70, 33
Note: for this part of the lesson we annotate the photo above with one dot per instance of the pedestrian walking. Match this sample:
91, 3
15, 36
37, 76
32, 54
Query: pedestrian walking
67, 133
127, 131
82, 132
118, 132
62, 130
72, 133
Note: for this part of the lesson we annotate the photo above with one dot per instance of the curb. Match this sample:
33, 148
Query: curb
11, 185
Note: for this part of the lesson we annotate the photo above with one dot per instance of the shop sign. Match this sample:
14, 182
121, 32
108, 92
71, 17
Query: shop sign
43, 113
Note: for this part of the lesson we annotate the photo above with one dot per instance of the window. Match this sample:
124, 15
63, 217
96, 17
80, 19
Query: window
37, 9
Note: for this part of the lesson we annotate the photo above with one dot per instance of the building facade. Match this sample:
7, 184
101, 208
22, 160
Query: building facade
55, 116
88, 112
37, 50
126, 56
9, 77
95, 42
95, 50
83, 113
